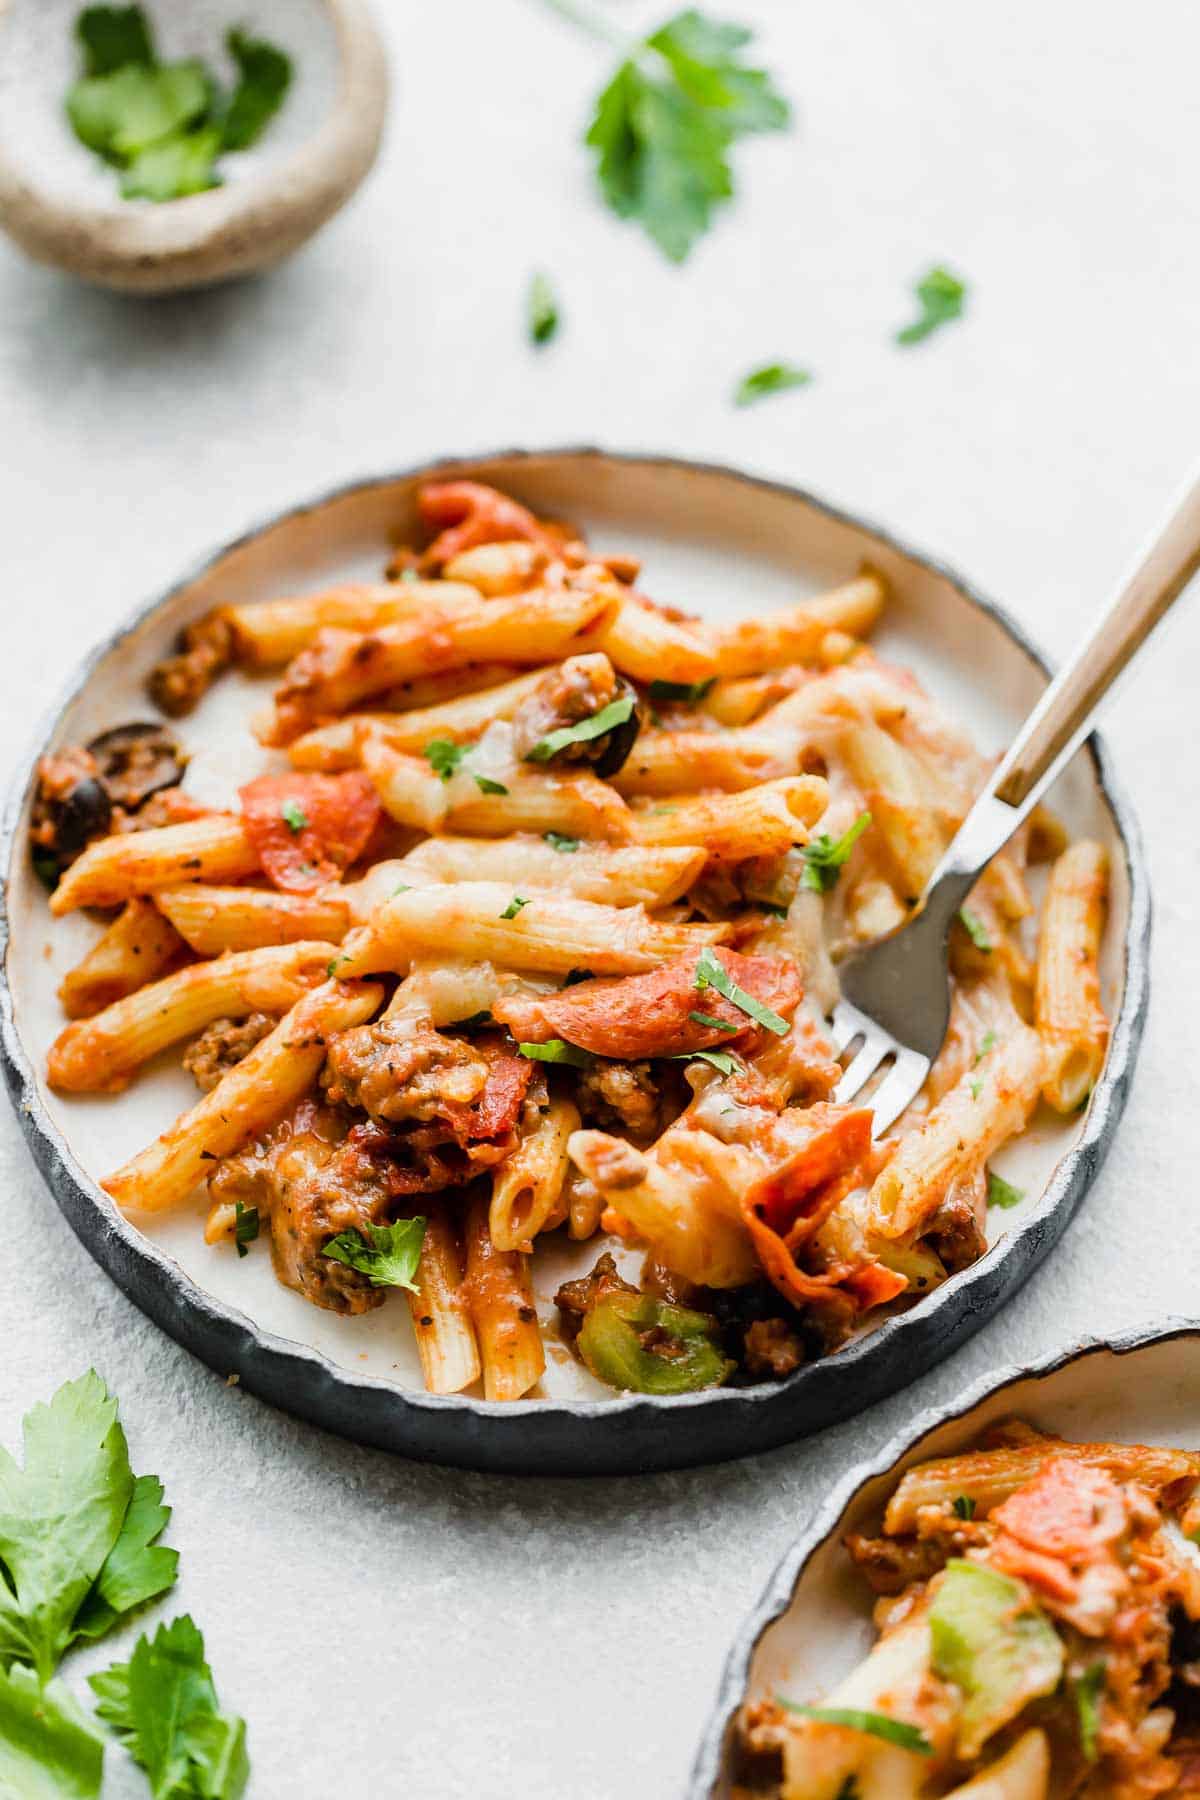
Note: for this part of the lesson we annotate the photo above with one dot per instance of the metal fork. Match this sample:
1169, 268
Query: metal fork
896, 992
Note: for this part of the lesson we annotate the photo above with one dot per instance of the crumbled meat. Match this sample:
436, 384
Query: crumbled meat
575, 1299
575, 690
222, 1046
619, 1093
71, 806
675, 1289
136, 761
180, 682
772, 1349
891, 1564
957, 1229
170, 806
397, 1074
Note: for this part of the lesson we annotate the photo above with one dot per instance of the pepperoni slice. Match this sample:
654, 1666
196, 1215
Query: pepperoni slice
465, 514
307, 829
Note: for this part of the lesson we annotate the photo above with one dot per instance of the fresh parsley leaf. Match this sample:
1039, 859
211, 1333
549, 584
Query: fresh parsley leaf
941, 296
556, 1050
514, 906
49, 1748
687, 691
541, 310
264, 76
893, 1731
163, 1706
1002, 1193
170, 170
486, 785
711, 972
558, 840
664, 126
386, 1254
1087, 1691
975, 929
335, 962
711, 1020
722, 1060
136, 1569
121, 114
293, 815
443, 756
771, 378
826, 857
964, 1506
976, 1089
986, 1044
615, 713
245, 1226
111, 36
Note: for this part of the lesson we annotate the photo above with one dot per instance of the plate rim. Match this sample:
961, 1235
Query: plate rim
779, 1591
605, 1436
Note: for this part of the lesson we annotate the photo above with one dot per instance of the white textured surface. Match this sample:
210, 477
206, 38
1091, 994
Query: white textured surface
385, 1626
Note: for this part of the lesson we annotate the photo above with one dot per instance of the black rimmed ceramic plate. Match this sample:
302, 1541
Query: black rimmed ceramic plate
813, 1623
721, 543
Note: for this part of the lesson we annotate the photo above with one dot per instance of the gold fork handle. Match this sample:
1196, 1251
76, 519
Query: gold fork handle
1063, 716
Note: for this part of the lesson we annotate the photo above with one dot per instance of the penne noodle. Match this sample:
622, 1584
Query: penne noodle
440, 1315
796, 634
763, 821
252, 1097
896, 794
504, 568
1070, 1019
550, 932
214, 848
138, 946
620, 875
1021, 1773
338, 746
101, 1054
268, 633
500, 1297
681, 762
527, 1186
644, 643
214, 919
585, 1205
578, 805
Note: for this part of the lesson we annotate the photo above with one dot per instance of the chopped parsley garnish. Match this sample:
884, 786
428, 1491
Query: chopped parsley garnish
1087, 1691
722, 1060
1002, 1193
941, 296
293, 815
486, 785
975, 929
443, 756
541, 310
826, 857
163, 1706
556, 1050
614, 714
894, 1731
386, 1254
687, 691
245, 1226
711, 972
771, 378
976, 1089
986, 1044
711, 1020
665, 124
335, 962
514, 906
964, 1506
164, 125
558, 840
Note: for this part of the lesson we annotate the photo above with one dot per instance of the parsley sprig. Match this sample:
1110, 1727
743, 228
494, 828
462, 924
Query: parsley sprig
826, 857
771, 378
711, 972
386, 1254
941, 296
445, 757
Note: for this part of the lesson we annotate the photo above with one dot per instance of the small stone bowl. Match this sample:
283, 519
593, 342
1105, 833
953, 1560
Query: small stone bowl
62, 205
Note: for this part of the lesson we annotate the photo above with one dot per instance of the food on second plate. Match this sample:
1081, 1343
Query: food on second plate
1039, 1620
536, 932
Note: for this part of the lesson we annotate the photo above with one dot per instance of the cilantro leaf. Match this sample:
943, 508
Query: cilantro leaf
514, 906
556, 1050
941, 296
486, 785
264, 76
711, 1020
826, 857
688, 691
964, 1507
111, 36
615, 713
443, 756
558, 840
664, 125
163, 1706
711, 972
245, 1225
771, 378
975, 929
541, 310
723, 1060
136, 1569
1002, 1193
1087, 1692
293, 815
893, 1731
180, 165
60, 1517
386, 1254
49, 1748
122, 114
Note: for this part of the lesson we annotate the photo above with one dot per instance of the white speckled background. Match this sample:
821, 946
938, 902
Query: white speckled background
390, 1628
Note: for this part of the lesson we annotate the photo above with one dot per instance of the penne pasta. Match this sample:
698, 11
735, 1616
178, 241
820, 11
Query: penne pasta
138, 947
413, 795
338, 746
681, 762
441, 1318
763, 821
646, 644
615, 875
269, 633
500, 1297
1070, 1019
113, 869
216, 919
527, 1188
795, 634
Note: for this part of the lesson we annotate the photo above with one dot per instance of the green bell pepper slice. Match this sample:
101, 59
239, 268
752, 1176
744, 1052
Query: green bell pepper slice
610, 1342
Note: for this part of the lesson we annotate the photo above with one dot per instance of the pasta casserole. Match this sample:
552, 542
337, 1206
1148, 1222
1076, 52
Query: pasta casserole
530, 933
1038, 1614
